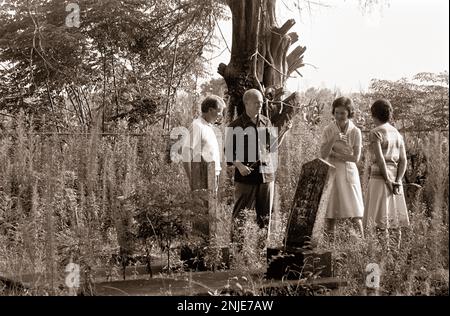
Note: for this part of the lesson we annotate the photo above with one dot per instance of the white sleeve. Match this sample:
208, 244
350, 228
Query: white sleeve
195, 141
192, 142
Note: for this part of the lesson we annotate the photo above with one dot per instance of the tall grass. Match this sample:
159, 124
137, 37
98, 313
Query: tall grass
420, 266
70, 198
74, 198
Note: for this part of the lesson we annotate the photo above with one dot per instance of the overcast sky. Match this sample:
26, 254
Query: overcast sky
350, 47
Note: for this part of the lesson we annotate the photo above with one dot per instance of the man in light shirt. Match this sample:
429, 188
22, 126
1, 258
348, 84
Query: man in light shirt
202, 145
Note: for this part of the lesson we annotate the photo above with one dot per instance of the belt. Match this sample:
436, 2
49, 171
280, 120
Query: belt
391, 170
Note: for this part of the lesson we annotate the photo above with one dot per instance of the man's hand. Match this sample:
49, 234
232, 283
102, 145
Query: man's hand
243, 169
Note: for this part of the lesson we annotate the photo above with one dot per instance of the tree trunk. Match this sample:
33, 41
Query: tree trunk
259, 59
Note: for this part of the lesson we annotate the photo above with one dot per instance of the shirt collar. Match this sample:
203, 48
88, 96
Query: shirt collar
349, 128
351, 125
246, 120
205, 121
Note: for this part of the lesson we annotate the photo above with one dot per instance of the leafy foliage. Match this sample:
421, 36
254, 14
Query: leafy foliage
123, 53
420, 102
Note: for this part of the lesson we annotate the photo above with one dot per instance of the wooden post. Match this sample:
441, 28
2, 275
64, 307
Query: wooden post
203, 184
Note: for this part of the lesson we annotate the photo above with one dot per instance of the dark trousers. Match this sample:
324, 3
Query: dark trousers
251, 196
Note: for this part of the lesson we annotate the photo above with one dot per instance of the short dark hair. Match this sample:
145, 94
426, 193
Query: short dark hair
382, 110
345, 102
211, 101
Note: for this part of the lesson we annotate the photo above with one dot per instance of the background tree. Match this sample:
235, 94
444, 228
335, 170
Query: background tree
215, 86
320, 101
419, 103
261, 56
126, 60
260, 59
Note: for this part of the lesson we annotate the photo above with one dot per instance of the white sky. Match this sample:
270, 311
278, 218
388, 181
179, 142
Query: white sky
349, 47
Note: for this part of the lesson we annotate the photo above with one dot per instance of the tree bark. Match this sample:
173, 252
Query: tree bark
259, 59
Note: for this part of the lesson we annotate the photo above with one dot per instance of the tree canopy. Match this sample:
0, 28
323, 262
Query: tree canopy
126, 59
419, 103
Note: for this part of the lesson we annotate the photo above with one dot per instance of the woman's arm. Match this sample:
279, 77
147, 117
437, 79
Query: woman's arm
351, 158
357, 144
327, 146
376, 148
325, 149
402, 164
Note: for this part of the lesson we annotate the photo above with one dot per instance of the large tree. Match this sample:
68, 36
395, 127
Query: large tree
260, 59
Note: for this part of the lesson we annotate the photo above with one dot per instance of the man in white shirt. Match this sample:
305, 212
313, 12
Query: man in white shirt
202, 145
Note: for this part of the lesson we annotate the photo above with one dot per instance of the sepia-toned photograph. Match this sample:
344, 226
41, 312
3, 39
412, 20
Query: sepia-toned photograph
236, 149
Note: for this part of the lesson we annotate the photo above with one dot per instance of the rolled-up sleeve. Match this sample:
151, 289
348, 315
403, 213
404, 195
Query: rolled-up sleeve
192, 146
375, 136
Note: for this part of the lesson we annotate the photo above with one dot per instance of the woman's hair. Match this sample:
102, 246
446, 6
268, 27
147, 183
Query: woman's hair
345, 102
212, 101
382, 110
